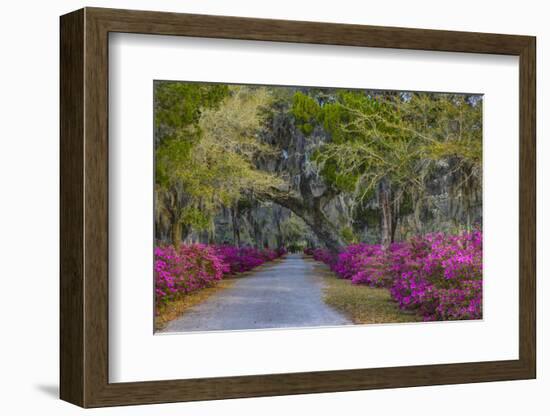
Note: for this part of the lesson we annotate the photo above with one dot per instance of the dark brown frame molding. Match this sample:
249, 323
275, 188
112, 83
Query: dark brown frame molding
84, 209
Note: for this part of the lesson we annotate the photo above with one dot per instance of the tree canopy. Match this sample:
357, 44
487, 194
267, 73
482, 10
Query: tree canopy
330, 165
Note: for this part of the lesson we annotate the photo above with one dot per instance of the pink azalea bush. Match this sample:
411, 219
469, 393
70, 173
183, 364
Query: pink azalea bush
196, 266
326, 256
437, 275
185, 270
441, 276
243, 259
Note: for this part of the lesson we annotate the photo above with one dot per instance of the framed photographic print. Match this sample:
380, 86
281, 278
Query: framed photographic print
255, 207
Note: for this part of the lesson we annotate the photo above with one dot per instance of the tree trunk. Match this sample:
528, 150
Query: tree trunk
236, 230
311, 212
384, 199
469, 206
395, 222
258, 237
204, 236
324, 229
396, 214
256, 229
279, 234
176, 234
417, 213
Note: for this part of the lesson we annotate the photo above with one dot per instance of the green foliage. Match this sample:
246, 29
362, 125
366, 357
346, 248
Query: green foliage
349, 236
206, 158
388, 146
395, 138
209, 146
366, 217
195, 218
294, 232
178, 105
306, 111
330, 170
406, 204
172, 152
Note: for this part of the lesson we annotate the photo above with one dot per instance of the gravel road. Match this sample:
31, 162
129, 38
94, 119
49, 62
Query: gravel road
286, 293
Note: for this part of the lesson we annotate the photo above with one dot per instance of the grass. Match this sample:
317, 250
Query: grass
363, 304
175, 308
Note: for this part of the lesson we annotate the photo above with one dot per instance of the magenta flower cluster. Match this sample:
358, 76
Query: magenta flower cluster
186, 269
439, 276
195, 266
243, 259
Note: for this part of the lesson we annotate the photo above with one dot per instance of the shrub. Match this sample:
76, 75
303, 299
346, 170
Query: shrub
437, 275
243, 259
442, 278
196, 266
326, 256
185, 270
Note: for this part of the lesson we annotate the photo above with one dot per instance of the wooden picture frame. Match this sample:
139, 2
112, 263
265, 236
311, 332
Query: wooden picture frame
84, 207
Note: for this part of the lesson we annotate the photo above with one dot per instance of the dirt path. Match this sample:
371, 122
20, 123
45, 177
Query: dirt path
284, 294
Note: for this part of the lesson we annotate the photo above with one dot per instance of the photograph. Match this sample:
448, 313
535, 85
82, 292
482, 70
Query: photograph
244, 198
305, 207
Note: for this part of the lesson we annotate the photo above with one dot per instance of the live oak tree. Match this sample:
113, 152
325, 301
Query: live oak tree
178, 108
204, 160
387, 146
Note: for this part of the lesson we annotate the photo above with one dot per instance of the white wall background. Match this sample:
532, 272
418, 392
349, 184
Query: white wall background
29, 159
